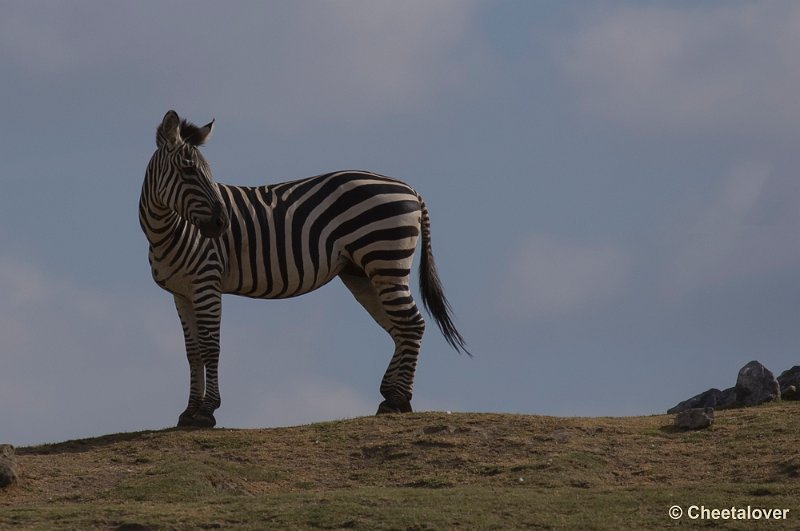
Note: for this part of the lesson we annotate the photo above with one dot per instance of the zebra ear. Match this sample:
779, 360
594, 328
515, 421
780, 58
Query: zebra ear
199, 135
169, 132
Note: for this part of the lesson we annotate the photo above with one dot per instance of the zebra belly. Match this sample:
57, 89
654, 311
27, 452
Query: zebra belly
276, 285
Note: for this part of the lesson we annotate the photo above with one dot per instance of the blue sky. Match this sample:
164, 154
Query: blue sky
612, 189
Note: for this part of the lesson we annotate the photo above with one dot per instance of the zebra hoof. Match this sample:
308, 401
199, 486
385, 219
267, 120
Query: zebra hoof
204, 420
394, 406
186, 420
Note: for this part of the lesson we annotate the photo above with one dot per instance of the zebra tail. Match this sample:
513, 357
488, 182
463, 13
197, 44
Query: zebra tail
430, 287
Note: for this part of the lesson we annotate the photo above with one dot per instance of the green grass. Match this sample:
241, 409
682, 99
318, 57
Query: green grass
420, 471
411, 508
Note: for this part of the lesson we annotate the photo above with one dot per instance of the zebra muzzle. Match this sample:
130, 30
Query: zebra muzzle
216, 223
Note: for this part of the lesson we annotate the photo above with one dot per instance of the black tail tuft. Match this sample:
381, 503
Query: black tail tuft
433, 298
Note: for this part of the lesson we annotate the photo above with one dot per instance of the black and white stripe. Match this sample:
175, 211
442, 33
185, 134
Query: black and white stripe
284, 240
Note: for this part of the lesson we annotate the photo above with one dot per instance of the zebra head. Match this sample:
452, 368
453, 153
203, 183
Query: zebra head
181, 177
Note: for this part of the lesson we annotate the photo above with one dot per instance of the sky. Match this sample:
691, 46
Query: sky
612, 188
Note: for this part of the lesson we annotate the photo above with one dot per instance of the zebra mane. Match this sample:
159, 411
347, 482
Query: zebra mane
189, 133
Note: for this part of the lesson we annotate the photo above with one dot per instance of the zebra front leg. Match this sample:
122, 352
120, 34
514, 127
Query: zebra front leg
208, 309
406, 331
197, 382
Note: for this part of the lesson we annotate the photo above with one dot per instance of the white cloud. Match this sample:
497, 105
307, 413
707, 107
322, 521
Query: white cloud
294, 65
376, 57
302, 401
76, 361
689, 66
748, 228
358, 62
551, 277
21, 284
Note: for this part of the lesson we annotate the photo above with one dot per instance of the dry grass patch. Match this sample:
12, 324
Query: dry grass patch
417, 471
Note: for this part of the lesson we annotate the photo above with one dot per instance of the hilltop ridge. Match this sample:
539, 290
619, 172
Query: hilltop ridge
414, 471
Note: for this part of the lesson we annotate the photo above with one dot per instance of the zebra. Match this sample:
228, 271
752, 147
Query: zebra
284, 240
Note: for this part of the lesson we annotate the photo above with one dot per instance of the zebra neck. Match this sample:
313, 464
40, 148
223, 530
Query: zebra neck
160, 225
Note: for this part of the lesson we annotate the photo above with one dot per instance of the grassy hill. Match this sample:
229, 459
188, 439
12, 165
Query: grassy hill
418, 471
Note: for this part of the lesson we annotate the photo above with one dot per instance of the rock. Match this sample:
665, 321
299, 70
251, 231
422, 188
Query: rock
713, 398
695, 418
756, 385
790, 378
790, 393
726, 399
8, 465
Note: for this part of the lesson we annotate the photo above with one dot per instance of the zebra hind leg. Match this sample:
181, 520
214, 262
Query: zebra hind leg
407, 328
392, 307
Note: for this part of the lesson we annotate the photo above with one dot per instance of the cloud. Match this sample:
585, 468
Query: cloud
78, 361
687, 67
22, 284
547, 276
346, 62
381, 57
748, 228
301, 401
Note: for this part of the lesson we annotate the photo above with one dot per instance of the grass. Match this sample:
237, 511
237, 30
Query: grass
418, 471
